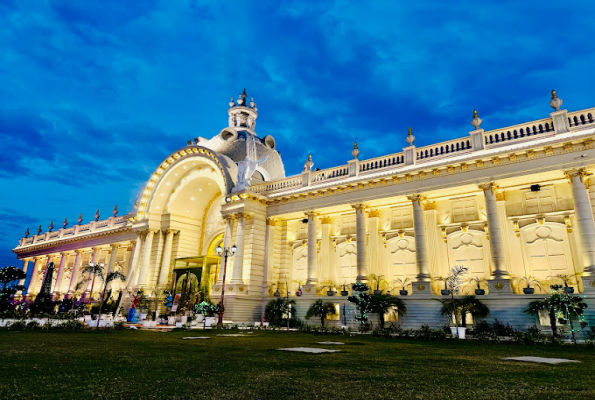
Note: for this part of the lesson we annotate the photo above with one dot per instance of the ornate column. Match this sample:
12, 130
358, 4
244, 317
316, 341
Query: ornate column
496, 236
25, 267
226, 238
437, 251
63, 261
325, 250
238, 259
146, 260
312, 271
584, 216
269, 250
78, 260
135, 261
362, 258
166, 261
113, 252
374, 221
421, 241
94, 260
34, 275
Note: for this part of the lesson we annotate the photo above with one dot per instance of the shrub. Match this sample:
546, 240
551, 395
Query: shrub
73, 324
502, 330
17, 326
33, 325
119, 326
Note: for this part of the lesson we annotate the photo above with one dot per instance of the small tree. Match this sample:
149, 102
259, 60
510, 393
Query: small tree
453, 283
321, 310
276, 308
361, 299
97, 271
382, 303
463, 306
7, 276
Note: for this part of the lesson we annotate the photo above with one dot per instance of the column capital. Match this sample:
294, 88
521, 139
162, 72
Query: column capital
311, 214
416, 198
79, 251
581, 173
114, 246
242, 215
488, 186
325, 219
361, 207
172, 232
373, 213
501, 195
153, 231
271, 221
27, 259
430, 205
65, 253
41, 258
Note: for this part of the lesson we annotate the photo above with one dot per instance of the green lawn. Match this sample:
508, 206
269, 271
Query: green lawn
142, 364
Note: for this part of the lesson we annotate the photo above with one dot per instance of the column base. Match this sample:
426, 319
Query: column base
309, 289
421, 288
499, 287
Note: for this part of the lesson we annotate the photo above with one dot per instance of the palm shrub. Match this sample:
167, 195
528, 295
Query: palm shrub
320, 310
275, 309
461, 306
97, 271
382, 303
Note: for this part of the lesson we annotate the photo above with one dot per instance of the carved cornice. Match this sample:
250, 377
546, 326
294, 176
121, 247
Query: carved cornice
45, 245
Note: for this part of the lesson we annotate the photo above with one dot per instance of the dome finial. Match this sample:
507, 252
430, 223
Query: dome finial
476, 121
309, 163
410, 138
355, 151
556, 102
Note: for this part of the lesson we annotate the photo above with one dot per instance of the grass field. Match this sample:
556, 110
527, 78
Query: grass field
143, 364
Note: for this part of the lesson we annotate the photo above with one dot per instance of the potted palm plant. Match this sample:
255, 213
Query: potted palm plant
403, 282
344, 292
452, 284
377, 280
568, 279
445, 291
331, 290
478, 280
529, 280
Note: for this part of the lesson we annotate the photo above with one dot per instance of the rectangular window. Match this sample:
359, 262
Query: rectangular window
464, 209
402, 218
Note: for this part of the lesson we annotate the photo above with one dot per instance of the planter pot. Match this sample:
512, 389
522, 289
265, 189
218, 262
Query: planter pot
569, 289
344, 293
200, 317
444, 292
403, 292
184, 319
143, 316
461, 331
172, 320
377, 292
330, 293
480, 292
528, 290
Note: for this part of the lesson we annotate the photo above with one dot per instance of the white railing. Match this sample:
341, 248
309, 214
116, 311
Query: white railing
492, 138
110, 223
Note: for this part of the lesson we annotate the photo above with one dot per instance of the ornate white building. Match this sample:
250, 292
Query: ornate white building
506, 203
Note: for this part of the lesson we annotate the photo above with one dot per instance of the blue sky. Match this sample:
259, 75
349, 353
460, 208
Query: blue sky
96, 93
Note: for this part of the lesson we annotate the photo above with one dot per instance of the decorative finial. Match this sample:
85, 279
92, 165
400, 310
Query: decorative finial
355, 151
309, 163
556, 102
252, 103
232, 103
135, 204
65, 223
115, 211
97, 215
39, 230
27, 233
476, 121
410, 138
51, 227
244, 95
80, 220
241, 100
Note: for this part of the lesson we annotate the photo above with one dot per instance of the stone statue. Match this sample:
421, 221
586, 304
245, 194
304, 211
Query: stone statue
247, 167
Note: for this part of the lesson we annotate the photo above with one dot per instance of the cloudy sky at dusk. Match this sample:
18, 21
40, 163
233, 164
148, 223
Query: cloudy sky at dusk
96, 93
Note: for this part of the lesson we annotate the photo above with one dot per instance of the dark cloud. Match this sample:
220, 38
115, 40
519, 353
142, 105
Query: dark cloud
97, 93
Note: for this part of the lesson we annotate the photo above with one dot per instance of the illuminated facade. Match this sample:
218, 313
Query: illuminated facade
505, 203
